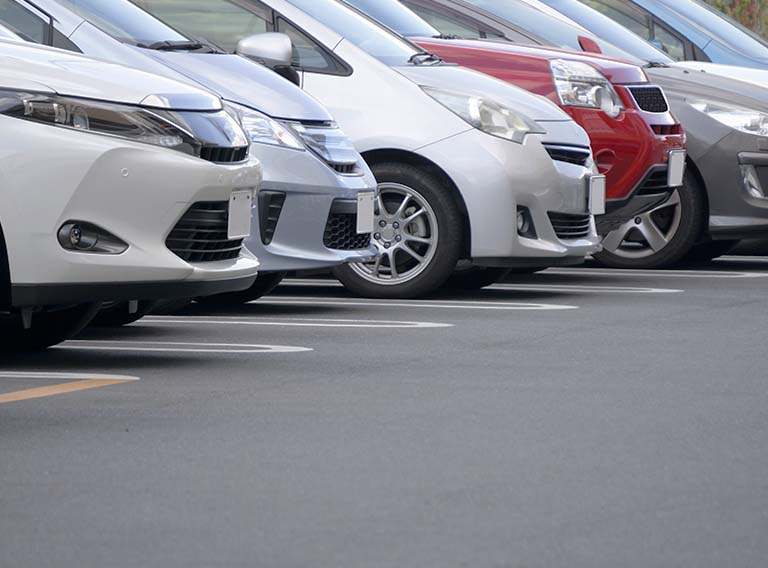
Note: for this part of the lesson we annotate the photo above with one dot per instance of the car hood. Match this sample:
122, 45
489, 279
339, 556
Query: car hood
690, 83
752, 75
245, 82
31, 67
461, 79
616, 71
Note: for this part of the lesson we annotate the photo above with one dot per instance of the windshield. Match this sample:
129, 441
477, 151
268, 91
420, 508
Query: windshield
366, 34
5, 33
124, 21
609, 30
719, 26
394, 15
555, 30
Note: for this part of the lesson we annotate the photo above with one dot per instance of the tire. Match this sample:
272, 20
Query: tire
475, 278
117, 314
421, 222
710, 251
170, 307
49, 327
665, 234
265, 283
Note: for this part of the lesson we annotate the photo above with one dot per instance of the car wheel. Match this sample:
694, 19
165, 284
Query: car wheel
710, 251
117, 314
418, 232
49, 326
661, 237
264, 284
475, 278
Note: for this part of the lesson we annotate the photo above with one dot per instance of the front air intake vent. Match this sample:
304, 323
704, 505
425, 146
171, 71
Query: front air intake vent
270, 207
201, 234
650, 99
221, 155
341, 227
654, 182
568, 154
569, 227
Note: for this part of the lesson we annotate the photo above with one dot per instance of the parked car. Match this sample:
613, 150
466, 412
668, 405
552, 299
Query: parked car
315, 209
722, 117
637, 143
688, 30
109, 176
463, 163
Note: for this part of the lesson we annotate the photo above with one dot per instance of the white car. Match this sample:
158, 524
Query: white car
115, 184
463, 160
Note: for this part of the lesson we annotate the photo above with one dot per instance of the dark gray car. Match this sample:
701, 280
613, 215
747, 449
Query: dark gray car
726, 120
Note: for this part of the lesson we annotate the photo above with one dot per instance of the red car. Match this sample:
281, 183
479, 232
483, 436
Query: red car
637, 142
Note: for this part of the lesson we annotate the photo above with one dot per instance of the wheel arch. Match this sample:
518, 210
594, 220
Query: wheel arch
379, 156
694, 169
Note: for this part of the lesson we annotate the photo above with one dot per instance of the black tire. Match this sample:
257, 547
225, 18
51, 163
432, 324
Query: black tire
170, 307
264, 284
475, 278
50, 326
442, 255
117, 314
680, 241
710, 251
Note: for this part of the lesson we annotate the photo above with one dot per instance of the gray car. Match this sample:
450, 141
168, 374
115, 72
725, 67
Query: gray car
726, 121
314, 180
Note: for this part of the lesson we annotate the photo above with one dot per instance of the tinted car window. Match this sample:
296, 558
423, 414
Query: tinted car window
359, 29
31, 27
395, 16
219, 21
454, 25
625, 14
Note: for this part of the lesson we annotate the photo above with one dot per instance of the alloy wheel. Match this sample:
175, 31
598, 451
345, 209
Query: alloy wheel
405, 234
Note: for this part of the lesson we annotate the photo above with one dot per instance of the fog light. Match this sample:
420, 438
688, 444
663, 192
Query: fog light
86, 237
525, 226
751, 181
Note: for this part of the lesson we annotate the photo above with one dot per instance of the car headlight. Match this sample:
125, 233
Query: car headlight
486, 114
741, 119
136, 124
262, 129
330, 143
580, 84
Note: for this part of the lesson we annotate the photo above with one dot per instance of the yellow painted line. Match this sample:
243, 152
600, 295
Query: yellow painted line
60, 388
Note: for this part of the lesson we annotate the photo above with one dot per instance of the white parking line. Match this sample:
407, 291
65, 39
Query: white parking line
524, 287
292, 322
175, 347
434, 305
656, 273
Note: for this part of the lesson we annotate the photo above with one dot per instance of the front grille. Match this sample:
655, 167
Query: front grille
270, 207
654, 182
341, 233
344, 169
570, 226
201, 234
224, 155
649, 99
667, 129
578, 156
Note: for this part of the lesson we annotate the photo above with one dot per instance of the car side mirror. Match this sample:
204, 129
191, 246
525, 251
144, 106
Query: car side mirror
589, 45
270, 49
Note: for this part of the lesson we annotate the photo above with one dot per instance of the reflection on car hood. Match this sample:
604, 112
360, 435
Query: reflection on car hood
752, 75
463, 80
245, 82
32, 67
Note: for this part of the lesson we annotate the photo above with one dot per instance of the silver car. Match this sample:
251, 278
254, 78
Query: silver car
463, 160
315, 208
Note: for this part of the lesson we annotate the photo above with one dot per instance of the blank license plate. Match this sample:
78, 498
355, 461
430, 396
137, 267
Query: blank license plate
239, 225
597, 187
365, 202
676, 168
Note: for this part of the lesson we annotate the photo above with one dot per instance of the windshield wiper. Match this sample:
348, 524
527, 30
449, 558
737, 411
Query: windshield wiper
655, 64
167, 45
446, 36
422, 57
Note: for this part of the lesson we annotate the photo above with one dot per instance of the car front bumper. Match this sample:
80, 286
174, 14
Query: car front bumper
289, 226
134, 191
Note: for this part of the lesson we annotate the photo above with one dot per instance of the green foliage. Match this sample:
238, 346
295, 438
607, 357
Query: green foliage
751, 13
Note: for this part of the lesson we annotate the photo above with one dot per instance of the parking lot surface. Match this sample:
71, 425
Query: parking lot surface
578, 417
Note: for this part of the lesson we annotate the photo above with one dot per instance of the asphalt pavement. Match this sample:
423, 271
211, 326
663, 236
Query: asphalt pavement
575, 418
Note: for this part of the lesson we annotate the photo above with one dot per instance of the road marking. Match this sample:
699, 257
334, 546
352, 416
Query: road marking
435, 305
77, 382
177, 347
293, 322
655, 273
522, 287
